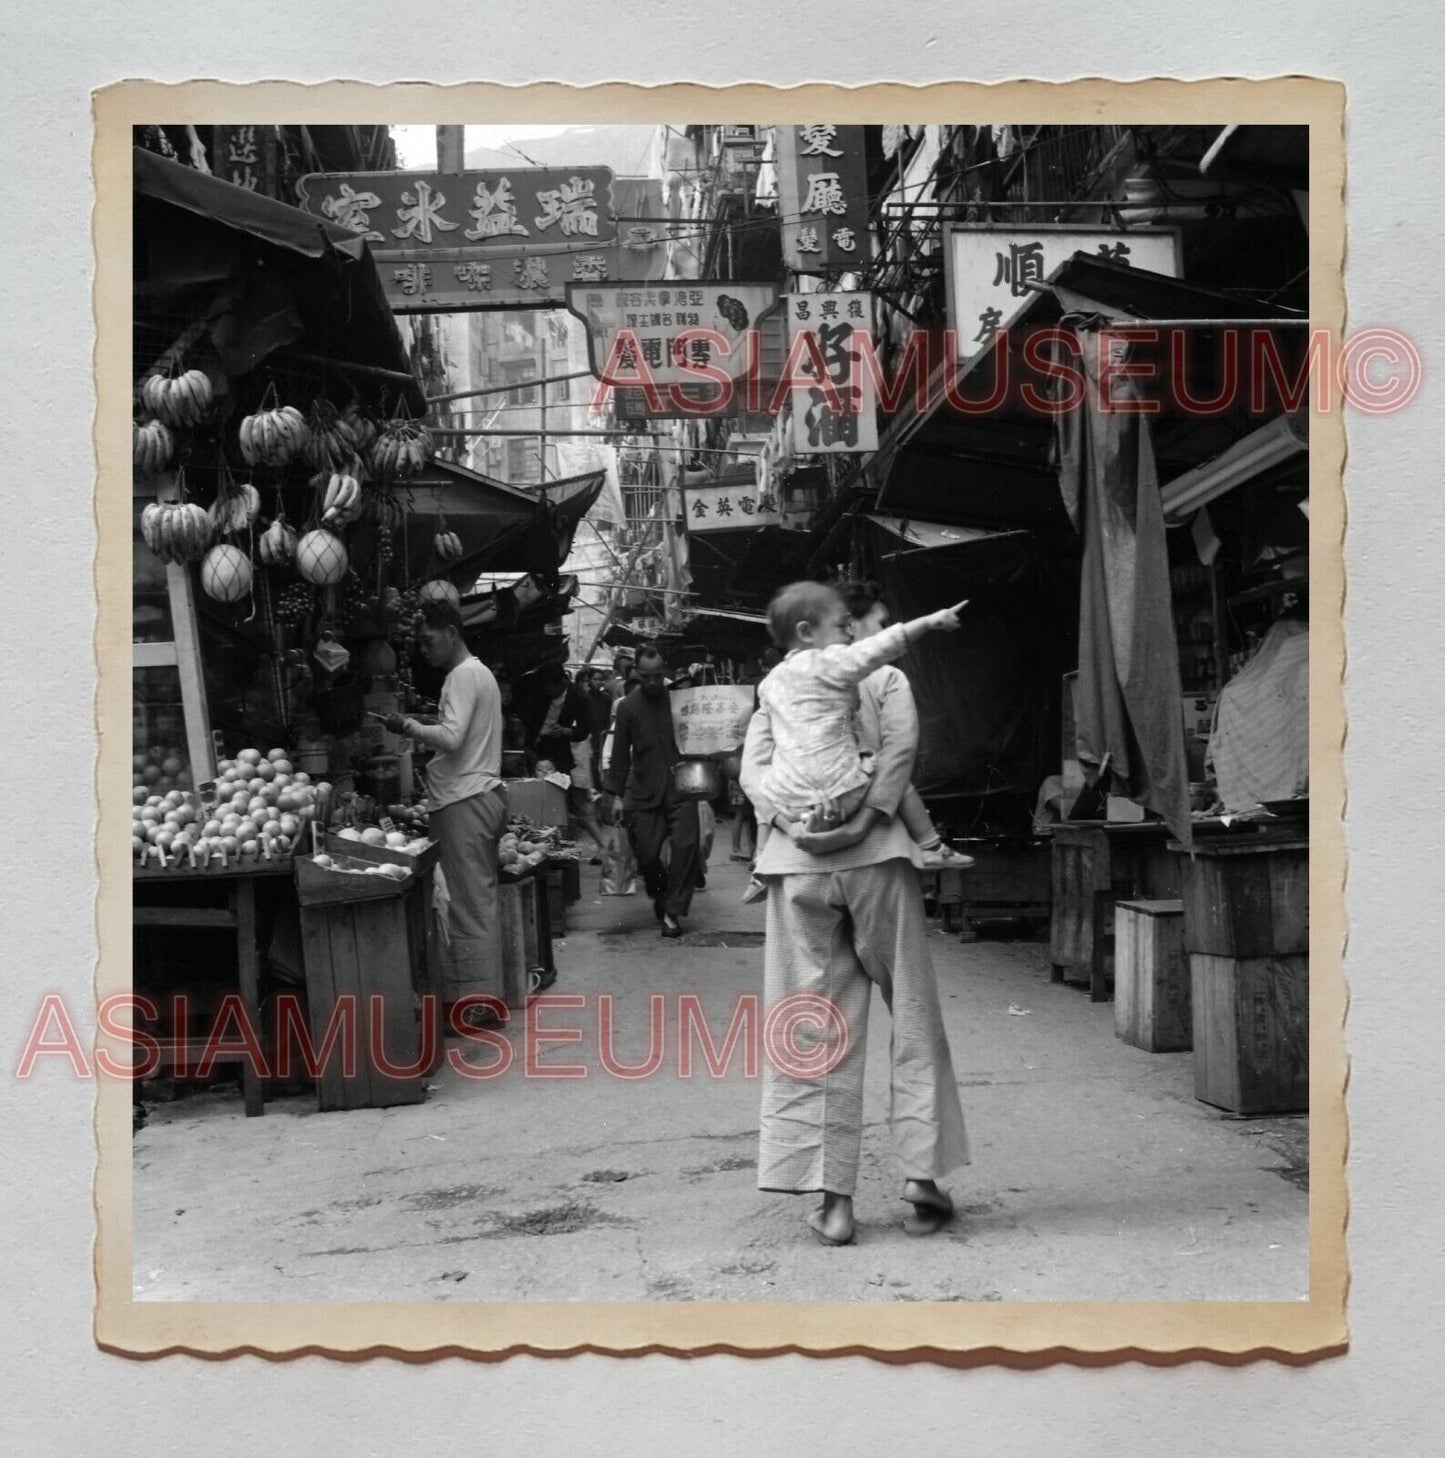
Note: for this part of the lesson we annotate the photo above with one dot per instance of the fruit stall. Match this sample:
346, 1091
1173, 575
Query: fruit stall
290, 520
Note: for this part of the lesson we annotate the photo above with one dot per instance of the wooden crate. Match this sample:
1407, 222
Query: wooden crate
373, 947
1251, 1032
1248, 897
1151, 977
517, 918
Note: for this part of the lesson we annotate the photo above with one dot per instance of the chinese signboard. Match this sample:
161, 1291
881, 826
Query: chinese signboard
671, 333
991, 270
494, 240
243, 156
839, 413
823, 197
730, 508
712, 720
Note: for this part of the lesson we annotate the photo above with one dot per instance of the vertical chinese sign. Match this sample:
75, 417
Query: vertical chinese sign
823, 198
244, 156
490, 239
992, 273
839, 412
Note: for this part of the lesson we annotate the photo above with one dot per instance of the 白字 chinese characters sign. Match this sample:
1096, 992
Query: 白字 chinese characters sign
823, 197
244, 157
669, 333
991, 271
730, 508
493, 240
839, 413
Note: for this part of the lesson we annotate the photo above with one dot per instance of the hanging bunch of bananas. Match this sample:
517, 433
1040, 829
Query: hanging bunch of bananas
182, 400
331, 443
235, 508
278, 544
340, 498
154, 447
448, 546
177, 532
273, 437
400, 450
363, 429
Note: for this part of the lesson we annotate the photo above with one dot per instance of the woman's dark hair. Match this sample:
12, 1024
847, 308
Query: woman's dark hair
860, 594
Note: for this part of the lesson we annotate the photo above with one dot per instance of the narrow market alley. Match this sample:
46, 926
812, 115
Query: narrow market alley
1097, 1176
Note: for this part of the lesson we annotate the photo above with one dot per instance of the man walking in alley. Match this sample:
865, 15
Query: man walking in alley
468, 807
644, 751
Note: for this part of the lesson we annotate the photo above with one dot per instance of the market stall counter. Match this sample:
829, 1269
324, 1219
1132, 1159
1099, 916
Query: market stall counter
155, 908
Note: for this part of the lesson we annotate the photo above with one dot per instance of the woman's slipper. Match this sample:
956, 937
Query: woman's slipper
815, 1224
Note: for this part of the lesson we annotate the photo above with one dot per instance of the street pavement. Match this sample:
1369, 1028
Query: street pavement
1096, 1175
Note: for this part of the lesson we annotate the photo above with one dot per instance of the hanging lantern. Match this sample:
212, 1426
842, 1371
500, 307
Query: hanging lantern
226, 574
321, 558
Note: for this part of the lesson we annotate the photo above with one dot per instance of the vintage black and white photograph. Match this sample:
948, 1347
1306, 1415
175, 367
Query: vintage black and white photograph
721, 711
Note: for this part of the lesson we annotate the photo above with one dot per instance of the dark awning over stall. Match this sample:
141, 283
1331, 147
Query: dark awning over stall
266, 278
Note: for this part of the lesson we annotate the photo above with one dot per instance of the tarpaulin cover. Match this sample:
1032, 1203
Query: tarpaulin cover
1128, 695
1260, 748
983, 693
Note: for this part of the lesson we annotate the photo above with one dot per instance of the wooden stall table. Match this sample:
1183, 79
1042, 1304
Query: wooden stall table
1094, 865
237, 917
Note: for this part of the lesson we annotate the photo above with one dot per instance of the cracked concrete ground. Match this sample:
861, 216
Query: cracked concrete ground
1096, 1174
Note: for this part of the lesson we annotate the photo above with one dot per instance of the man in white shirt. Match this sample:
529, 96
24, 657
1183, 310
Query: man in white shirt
468, 807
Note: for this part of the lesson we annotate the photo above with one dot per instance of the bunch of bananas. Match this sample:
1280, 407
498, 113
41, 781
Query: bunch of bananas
448, 546
154, 446
273, 437
234, 509
341, 500
176, 532
331, 443
278, 544
362, 429
401, 450
182, 400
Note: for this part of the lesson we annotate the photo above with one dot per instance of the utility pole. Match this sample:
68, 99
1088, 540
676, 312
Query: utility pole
451, 149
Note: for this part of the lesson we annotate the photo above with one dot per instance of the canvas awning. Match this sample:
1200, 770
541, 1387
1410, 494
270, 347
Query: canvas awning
268, 279
998, 469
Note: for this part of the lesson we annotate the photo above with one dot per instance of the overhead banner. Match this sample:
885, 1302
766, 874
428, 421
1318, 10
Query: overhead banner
452, 242
670, 334
990, 272
730, 508
823, 197
840, 412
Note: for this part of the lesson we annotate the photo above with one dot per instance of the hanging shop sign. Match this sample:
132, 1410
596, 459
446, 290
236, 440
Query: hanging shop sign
730, 508
823, 197
990, 272
453, 242
682, 338
246, 157
839, 413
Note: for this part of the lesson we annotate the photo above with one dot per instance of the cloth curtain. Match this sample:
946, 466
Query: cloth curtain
1129, 701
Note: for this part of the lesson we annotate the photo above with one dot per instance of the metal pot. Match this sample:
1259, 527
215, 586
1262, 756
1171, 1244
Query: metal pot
696, 779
